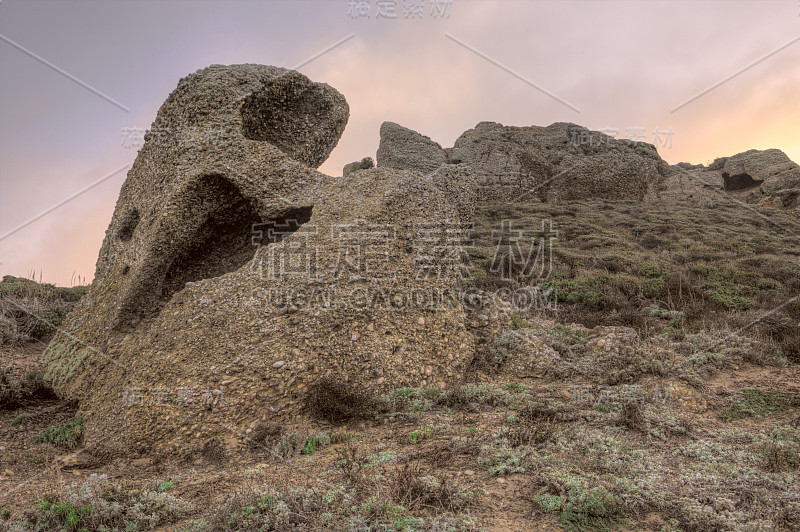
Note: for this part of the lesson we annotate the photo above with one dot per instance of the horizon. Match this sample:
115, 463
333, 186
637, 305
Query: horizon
79, 87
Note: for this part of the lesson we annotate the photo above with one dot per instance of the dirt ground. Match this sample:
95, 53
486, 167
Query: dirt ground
505, 502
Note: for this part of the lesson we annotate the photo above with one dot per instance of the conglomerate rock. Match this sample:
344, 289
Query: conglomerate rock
191, 332
765, 177
364, 164
406, 149
560, 162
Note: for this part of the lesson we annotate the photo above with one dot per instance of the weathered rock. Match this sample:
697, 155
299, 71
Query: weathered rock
364, 164
405, 149
560, 162
691, 183
460, 186
770, 170
528, 355
787, 199
741, 181
191, 333
760, 177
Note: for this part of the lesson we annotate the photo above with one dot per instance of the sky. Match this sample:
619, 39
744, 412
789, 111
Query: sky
79, 81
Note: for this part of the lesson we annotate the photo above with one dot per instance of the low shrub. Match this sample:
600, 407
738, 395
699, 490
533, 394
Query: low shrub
67, 435
334, 401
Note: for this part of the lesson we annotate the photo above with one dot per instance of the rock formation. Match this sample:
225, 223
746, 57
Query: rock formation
405, 149
767, 177
770, 170
192, 332
364, 164
560, 162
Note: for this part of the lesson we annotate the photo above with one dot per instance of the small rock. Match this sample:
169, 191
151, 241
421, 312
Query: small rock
141, 463
279, 364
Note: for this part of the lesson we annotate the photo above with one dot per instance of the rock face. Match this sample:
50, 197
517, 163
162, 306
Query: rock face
192, 332
560, 162
405, 149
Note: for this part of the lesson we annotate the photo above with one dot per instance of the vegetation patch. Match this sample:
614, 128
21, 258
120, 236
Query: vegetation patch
753, 402
67, 435
100, 505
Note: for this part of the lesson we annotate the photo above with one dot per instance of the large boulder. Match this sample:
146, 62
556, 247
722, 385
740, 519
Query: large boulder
405, 149
364, 164
233, 276
769, 170
560, 162
765, 177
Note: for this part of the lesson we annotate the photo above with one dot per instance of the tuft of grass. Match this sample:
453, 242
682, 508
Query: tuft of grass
316, 442
16, 392
66, 435
419, 435
31, 310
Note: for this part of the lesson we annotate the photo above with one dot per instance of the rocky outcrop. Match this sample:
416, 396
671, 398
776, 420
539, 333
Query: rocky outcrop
405, 149
233, 276
560, 162
765, 177
770, 170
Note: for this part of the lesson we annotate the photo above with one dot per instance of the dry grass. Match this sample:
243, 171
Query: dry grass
31, 310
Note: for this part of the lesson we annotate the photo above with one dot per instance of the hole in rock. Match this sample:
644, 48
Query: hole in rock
128, 225
216, 238
741, 181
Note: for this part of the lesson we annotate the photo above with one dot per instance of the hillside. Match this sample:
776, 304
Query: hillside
656, 408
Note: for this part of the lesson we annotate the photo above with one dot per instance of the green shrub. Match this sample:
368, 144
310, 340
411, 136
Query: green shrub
582, 508
65, 435
650, 269
315, 442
